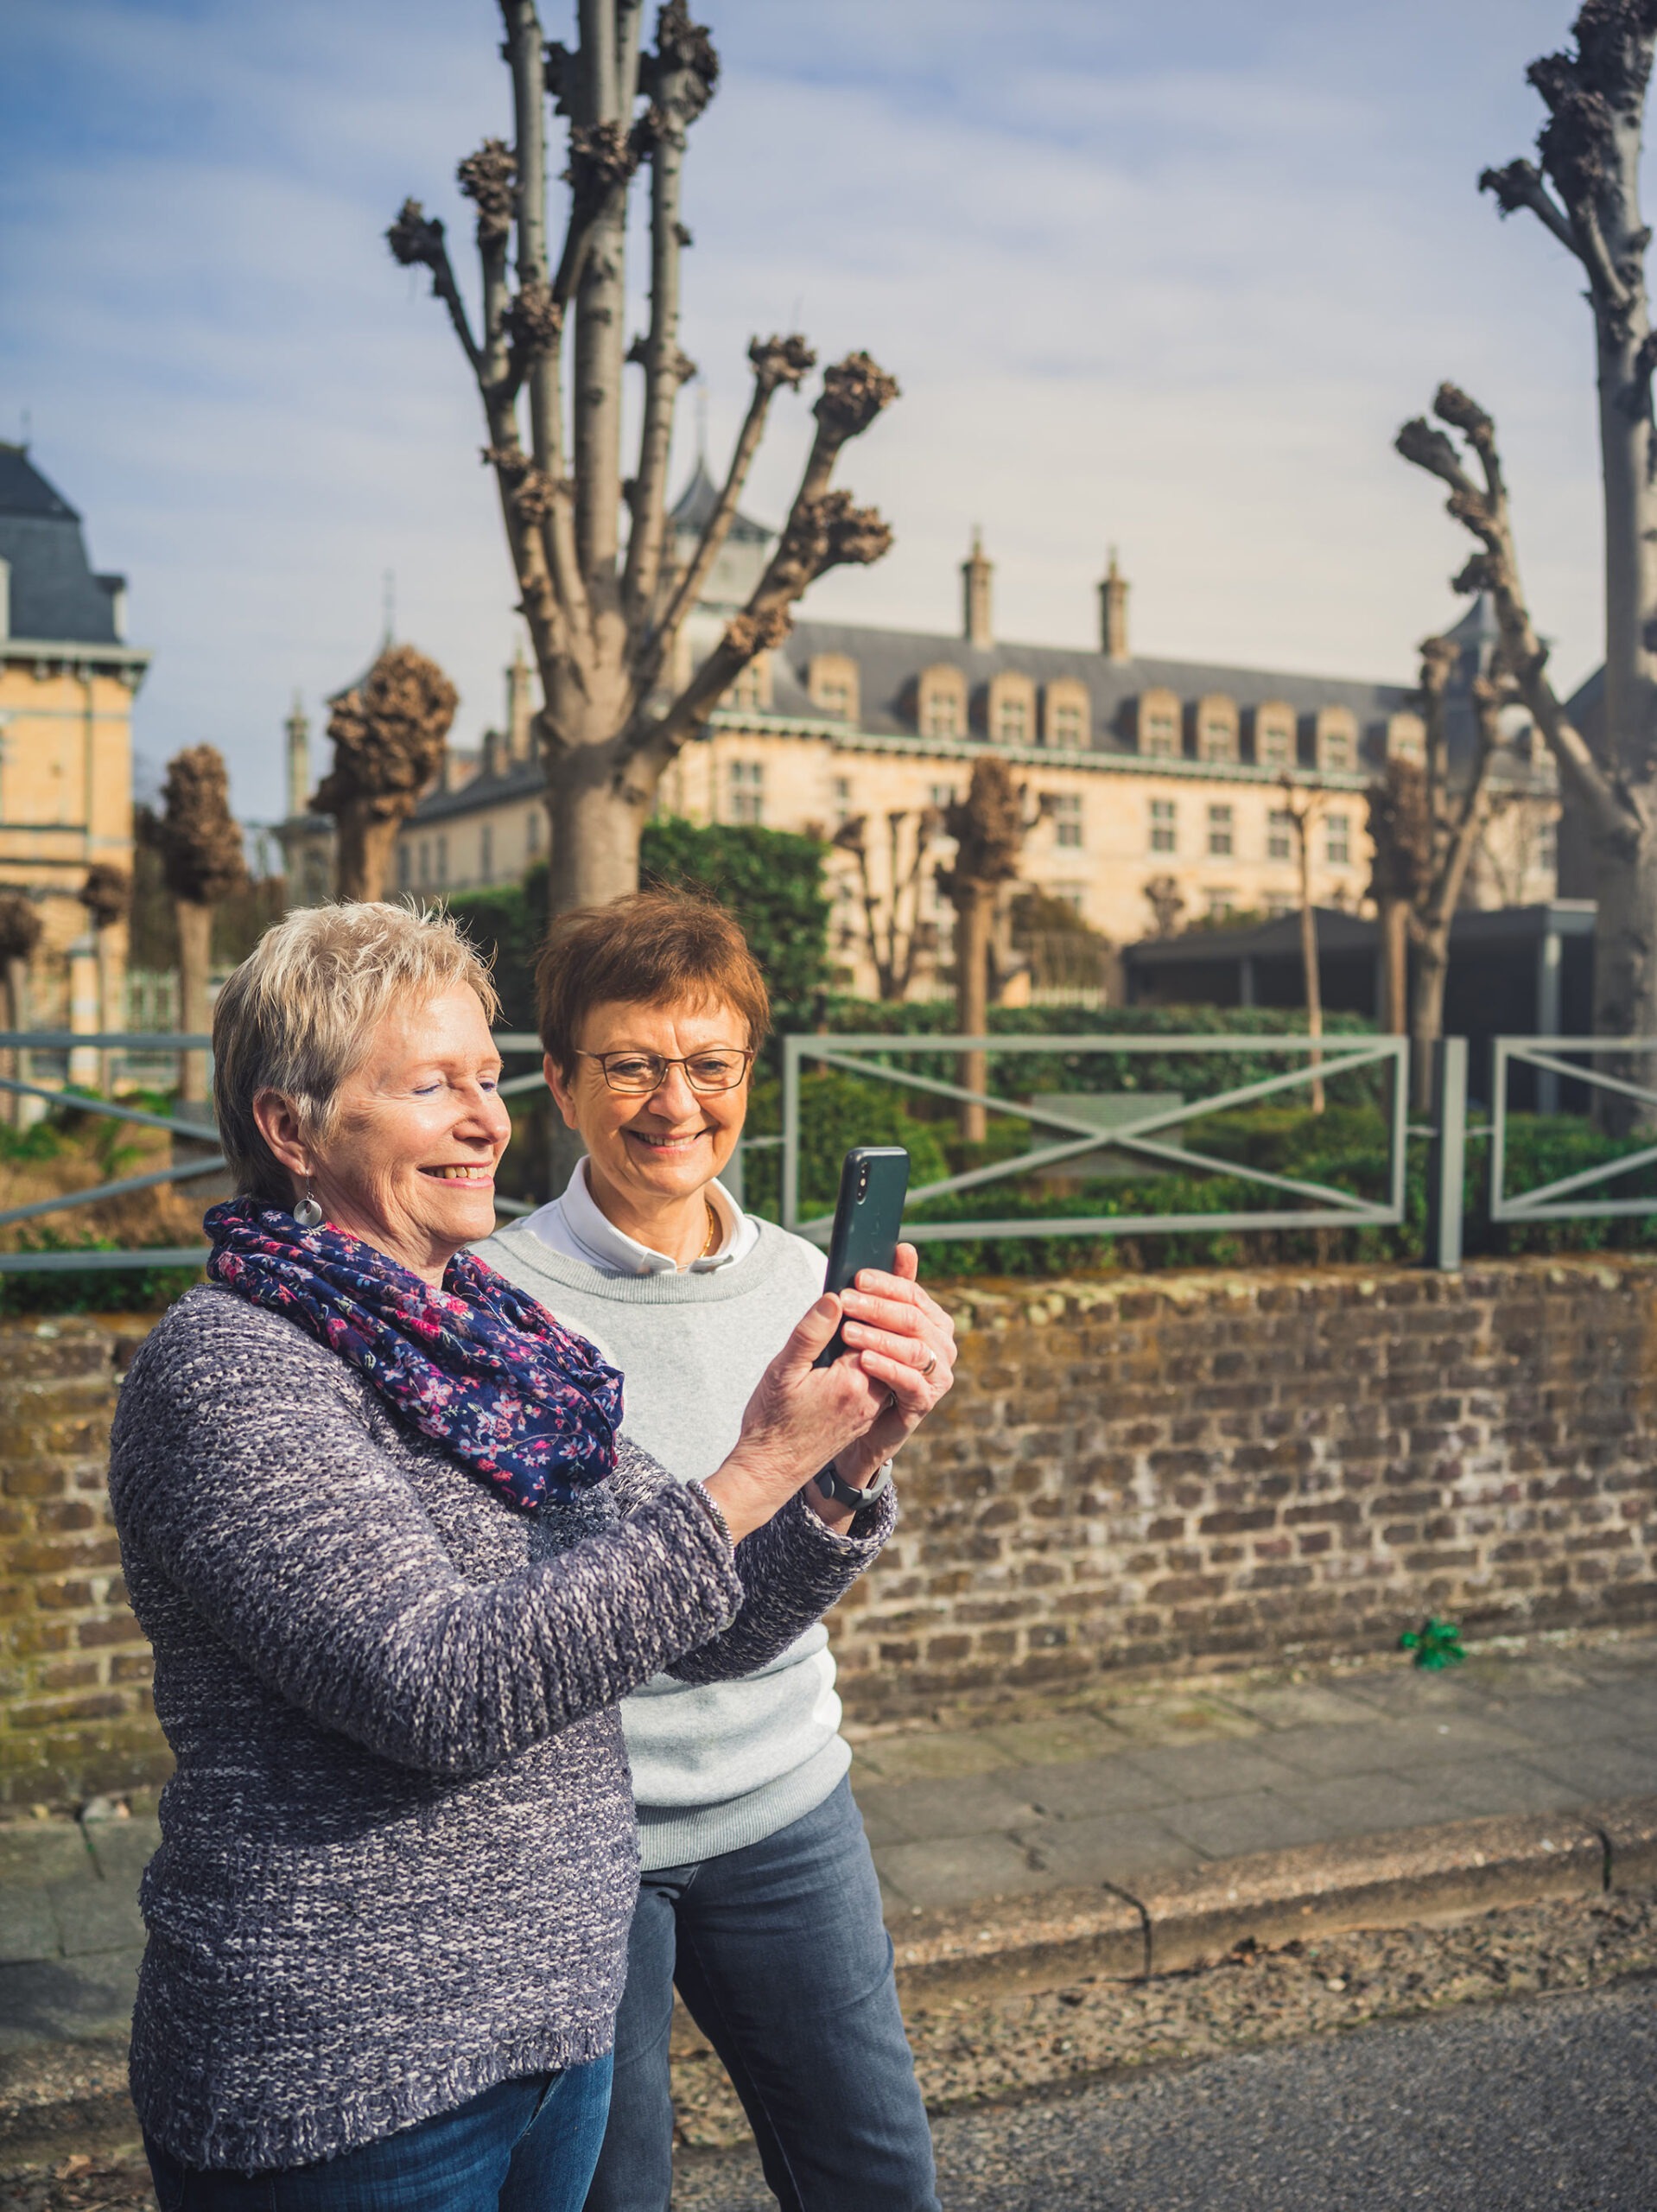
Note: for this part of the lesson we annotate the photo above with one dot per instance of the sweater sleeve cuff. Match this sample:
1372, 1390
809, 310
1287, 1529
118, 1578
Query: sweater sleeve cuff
861, 1539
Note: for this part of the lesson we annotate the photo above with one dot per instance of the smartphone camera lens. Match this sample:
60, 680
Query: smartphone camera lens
862, 1178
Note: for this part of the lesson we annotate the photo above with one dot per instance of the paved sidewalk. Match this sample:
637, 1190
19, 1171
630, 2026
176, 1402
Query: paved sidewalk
1123, 1789
1093, 1787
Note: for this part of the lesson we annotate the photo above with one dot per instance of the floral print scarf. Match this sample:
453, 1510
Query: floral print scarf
477, 1365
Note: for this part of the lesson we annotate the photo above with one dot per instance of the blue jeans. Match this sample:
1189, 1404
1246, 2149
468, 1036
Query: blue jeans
784, 1962
526, 2145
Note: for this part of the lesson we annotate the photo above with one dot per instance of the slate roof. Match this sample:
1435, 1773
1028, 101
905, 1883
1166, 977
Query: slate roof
523, 779
54, 597
890, 660
691, 509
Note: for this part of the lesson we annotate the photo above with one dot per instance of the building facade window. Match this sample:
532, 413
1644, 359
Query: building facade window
1274, 745
747, 790
1216, 730
1337, 740
941, 702
1221, 832
1010, 708
1067, 713
532, 832
842, 789
487, 853
1066, 809
425, 862
405, 866
442, 878
1280, 835
1163, 826
1222, 905
831, 681
1159, 726
1337, 844
750, 687
941, 795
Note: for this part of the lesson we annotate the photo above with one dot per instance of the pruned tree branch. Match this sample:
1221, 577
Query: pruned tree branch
1483, 511
1520, 185
548, 359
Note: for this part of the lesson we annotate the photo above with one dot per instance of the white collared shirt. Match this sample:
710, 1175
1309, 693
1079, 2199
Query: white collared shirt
573, 1225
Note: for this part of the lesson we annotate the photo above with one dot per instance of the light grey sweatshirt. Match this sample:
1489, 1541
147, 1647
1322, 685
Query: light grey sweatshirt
715, 1766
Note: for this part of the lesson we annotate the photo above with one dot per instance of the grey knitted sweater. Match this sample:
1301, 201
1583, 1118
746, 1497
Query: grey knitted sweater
397, 1856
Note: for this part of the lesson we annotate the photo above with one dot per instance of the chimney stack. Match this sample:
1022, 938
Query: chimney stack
299, 760
975, 572
1112, 613
520, 709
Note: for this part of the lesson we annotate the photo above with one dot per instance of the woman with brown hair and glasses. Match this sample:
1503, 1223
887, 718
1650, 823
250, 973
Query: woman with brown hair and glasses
759, 1897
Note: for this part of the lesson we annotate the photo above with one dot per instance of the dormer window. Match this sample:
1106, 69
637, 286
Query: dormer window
831, 681
1406, 737
1067, 713
1337, 740
752, 687
1011, 708
1275, 735
1216, 730
941, 703
1159, 726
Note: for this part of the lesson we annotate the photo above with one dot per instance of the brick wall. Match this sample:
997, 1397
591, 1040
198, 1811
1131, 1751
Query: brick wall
1232, 1466
75, 1716
1147, 1472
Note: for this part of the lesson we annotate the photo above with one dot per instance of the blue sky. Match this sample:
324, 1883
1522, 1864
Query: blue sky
1165, 278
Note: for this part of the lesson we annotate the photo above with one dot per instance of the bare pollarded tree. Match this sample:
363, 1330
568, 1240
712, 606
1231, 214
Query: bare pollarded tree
605, 617
107, 896
388, 736
20, 932
896, 938
1424, 832
1618, 795
989, 827
1586, 192
202, 862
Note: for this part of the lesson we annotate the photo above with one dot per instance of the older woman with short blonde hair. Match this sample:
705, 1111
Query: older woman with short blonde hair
398, 1561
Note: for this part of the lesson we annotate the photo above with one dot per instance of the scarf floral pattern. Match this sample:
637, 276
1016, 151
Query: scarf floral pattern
478, 1366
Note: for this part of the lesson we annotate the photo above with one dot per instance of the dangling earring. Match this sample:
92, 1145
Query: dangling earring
308, 1213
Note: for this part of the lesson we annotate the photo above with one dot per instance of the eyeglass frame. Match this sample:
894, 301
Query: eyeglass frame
745, 1053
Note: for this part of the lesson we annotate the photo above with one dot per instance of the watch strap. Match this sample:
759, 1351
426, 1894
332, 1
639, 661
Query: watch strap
828, 1482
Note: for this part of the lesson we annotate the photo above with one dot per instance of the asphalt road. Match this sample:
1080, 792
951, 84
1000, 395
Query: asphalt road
1551, 2102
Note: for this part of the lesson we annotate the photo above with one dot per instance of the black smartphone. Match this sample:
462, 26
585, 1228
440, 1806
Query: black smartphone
868, 1214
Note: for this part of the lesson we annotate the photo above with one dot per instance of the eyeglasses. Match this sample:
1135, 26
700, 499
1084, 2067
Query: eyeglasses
637, 1075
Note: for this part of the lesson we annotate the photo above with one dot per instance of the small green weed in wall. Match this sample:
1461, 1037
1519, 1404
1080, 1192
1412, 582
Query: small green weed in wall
1436, 1643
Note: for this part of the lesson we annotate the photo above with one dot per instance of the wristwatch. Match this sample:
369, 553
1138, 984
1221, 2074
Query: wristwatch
829, 1484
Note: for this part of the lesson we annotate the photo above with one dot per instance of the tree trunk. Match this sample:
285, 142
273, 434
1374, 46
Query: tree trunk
975, 915
1396, 967
366, 843
1427, 1011
194, 955
1625, 972
1309, 964
14, 997
594, 844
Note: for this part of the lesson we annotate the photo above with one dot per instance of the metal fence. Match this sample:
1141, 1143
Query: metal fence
1154, 1136
152, 1048
1147, 1135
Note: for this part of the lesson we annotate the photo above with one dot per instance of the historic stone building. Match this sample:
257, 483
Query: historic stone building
1155, 788
67, 677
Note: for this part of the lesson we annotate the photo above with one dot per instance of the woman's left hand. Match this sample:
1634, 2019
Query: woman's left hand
903, 1339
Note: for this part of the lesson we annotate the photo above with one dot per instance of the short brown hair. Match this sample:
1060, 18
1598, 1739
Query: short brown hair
647, 950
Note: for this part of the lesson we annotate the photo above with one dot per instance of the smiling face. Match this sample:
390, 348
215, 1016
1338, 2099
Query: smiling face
649, 1159
409, 1164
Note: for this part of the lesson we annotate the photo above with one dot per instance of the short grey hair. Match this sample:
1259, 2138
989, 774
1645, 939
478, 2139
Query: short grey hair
297, 1015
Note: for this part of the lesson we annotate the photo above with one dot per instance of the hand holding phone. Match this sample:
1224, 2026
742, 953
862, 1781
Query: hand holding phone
874, 1182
